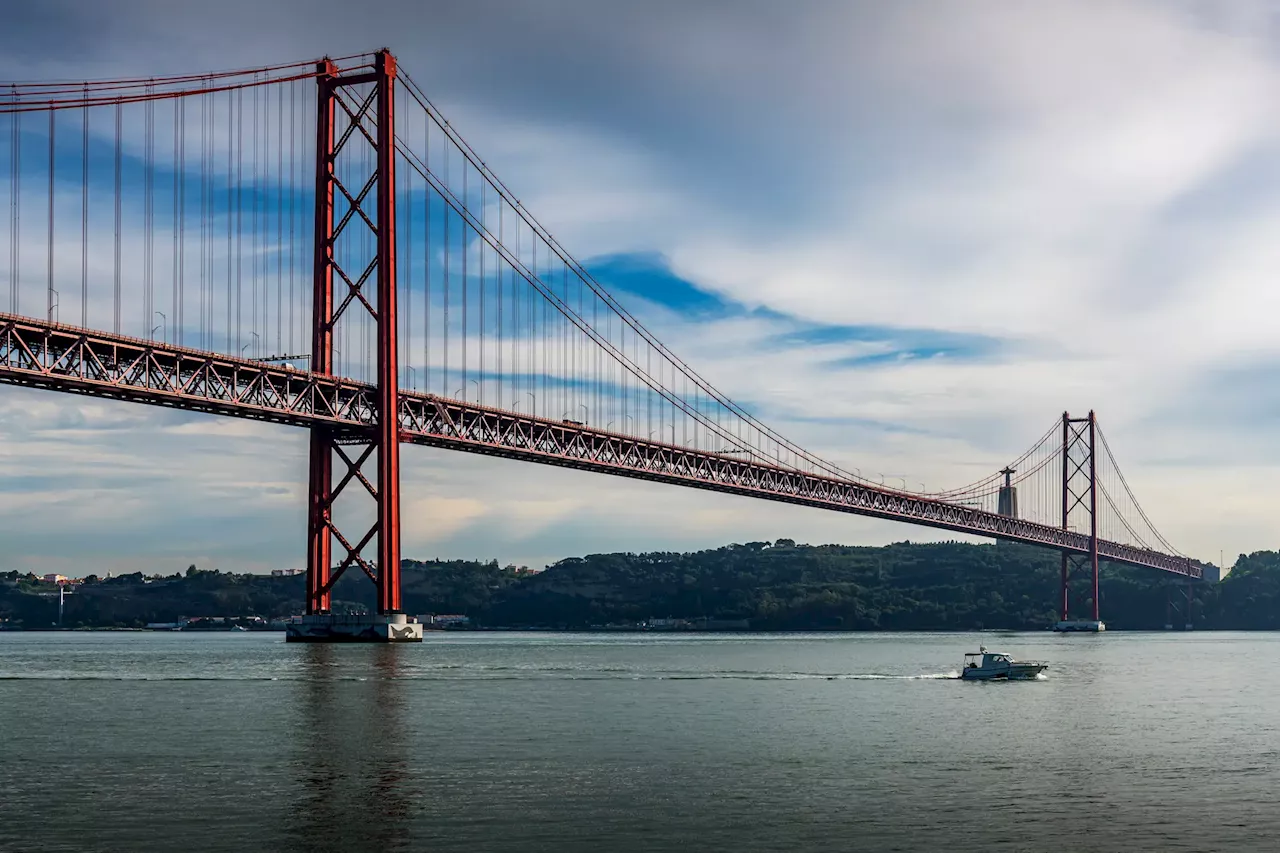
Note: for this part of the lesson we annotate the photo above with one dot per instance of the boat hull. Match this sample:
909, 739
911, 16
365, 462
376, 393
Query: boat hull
1018, 672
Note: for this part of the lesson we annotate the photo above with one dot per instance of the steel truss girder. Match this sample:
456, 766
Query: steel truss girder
62, 358
41, 355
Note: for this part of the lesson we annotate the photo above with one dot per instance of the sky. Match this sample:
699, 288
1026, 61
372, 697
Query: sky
914, 233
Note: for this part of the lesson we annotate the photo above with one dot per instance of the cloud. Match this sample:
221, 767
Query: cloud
909, 235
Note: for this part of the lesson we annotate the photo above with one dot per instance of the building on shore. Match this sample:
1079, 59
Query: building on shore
443, 621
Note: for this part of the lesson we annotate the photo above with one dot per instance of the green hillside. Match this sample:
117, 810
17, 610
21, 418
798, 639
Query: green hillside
772, 586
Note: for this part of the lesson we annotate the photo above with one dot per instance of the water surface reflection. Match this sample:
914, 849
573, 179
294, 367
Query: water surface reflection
353, 780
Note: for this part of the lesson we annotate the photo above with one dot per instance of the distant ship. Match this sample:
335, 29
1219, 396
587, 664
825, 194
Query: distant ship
1088, 626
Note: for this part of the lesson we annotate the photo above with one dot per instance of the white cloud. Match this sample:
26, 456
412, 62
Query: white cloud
1036, 176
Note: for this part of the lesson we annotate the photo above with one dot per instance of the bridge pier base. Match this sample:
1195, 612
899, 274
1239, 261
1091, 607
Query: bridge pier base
355, 628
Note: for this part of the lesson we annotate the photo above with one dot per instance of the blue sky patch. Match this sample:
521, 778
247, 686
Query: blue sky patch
648, 275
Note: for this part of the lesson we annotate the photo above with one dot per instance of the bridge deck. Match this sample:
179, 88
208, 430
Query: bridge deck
39, 354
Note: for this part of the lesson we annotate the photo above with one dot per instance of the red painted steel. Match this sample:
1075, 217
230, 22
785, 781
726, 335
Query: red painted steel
382, 435
1093, 509
388, 347
1083, 440
1066, 559
36, 353
319, 490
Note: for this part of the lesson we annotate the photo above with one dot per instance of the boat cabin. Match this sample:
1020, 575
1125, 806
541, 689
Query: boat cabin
985, 659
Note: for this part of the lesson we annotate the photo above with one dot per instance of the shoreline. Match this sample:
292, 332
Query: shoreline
544, 630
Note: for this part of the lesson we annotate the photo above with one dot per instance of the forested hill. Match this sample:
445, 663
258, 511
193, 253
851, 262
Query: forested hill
772, 586
905, 586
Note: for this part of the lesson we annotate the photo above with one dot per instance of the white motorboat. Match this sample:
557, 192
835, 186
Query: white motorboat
983, 665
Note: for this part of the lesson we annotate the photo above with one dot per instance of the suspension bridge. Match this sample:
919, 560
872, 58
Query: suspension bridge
315, 245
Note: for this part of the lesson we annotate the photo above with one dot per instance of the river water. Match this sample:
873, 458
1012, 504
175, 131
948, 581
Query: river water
614, 742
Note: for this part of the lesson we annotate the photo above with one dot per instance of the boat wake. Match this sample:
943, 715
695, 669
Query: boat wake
931, 676
795, 676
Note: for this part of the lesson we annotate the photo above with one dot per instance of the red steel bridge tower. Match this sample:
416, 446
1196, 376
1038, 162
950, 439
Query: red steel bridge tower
1080, 503
354, 110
